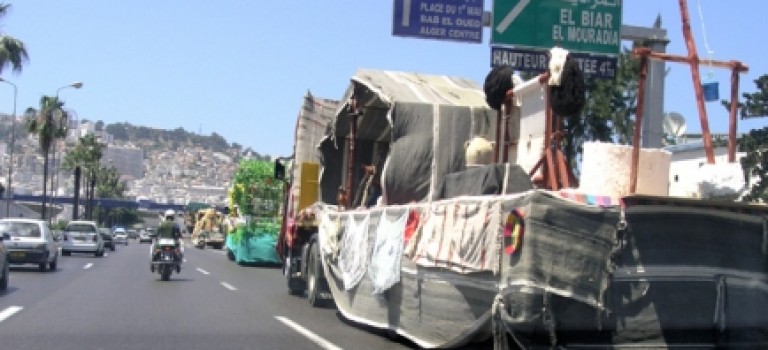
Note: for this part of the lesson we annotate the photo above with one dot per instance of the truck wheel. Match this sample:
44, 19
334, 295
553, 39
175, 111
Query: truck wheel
54, 263
230, 255
296, 286
165, 273
314, 278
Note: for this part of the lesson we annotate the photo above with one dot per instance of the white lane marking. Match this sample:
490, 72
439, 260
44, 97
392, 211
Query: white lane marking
87, 266
228, 286
307, 333
9, 311
185, 260
203, 271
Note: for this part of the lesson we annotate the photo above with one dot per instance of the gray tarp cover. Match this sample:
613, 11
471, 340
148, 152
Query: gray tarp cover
675, 275
455, 264
424, 121
311, 125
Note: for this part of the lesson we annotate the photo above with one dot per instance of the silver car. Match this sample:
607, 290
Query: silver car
120, 235
82, 237
30, 242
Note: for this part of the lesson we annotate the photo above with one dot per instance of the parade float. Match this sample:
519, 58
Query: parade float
253, 221
445, 213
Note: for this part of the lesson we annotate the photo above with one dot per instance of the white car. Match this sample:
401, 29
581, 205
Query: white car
82, 237
120, 236
30, 242
145, 237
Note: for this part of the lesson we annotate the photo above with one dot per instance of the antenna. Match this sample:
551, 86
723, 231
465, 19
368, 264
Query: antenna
673, 124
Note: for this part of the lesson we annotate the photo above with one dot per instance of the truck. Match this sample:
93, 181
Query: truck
299, 173
396, 217
209, 229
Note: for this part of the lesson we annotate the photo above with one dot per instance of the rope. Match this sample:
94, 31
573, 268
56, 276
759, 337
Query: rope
706, 42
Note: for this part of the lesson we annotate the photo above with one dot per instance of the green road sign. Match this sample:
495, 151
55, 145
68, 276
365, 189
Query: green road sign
592, 26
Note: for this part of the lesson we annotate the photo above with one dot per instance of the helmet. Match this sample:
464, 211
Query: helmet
170, 213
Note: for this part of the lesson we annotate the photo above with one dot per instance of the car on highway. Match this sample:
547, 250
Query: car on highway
120, 236
4, 260
30, 242
151, 232
108, 237
82, 236
145, 237
133, 234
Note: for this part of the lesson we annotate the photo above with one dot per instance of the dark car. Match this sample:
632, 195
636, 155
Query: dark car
106, 235
4, 261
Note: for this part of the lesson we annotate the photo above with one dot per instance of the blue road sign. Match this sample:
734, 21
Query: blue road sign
457, 20
593, 66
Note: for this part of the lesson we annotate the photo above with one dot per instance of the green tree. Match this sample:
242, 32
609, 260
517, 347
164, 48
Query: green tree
608, 113
118, 131
50, 124
86, 155
755, 143
13, 53
108, 185
253, 186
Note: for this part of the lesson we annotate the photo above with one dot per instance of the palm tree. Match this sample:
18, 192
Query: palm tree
12, 51
108, 185
86, 156
50, 124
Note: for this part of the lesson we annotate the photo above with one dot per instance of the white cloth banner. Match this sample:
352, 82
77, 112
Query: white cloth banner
463, 237
354, 251
384, 269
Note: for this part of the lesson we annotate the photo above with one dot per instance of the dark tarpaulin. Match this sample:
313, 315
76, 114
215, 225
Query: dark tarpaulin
424, 119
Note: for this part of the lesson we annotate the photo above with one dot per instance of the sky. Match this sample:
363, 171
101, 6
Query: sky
240, 68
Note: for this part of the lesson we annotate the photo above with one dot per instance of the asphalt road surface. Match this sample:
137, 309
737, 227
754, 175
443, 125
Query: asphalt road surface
115, 302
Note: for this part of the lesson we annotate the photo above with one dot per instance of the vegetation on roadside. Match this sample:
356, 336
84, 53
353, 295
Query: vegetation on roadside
755, 142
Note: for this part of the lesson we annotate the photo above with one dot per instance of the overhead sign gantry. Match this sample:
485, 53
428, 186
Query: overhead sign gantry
524, 30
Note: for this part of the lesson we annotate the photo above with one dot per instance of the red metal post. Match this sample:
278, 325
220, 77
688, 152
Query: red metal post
693, 61
351, 148
497, 143
732, 117
507, 115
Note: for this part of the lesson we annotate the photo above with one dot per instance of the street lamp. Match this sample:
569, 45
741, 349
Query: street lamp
76, 85
55, 176
13, 141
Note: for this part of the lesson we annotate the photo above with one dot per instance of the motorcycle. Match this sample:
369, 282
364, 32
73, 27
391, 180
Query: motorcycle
166, 258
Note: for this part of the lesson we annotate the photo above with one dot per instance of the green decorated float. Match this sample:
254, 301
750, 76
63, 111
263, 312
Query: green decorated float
254, 220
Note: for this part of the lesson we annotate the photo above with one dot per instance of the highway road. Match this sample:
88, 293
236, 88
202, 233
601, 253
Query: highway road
115, 302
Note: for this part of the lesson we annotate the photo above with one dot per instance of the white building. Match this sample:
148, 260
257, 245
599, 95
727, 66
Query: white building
688, 162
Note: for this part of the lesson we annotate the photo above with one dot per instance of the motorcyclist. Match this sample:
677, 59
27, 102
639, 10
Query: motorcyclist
169, 229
